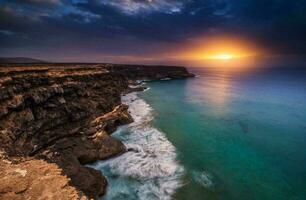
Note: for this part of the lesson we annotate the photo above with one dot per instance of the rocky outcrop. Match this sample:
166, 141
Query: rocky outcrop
145, 72
35, 179
61, 116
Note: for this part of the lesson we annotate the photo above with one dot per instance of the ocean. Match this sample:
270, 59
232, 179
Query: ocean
221, 135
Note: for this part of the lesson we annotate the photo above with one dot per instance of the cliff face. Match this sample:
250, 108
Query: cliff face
64, 114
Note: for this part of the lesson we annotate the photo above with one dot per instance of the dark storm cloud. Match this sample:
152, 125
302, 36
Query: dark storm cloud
38, 2
278, 23
131, 7
133, 27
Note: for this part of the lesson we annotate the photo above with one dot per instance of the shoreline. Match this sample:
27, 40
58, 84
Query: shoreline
149, 167
66, 116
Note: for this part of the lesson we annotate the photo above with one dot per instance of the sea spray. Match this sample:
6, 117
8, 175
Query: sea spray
149, 169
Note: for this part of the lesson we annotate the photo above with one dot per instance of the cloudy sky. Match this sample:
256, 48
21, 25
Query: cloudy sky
118, 30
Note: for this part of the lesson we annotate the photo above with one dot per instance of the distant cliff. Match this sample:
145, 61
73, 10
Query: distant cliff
21, 60
133, 72
64, 114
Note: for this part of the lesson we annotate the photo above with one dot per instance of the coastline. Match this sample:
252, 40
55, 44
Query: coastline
148, 170
67, 120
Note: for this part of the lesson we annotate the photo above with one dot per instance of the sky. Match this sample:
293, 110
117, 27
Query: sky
145, 30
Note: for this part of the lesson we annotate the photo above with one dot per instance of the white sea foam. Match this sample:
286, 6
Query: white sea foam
149, 169
203, 178
146, 89
166, 79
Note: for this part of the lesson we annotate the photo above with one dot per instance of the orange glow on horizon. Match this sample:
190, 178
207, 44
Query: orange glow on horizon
224, 56
221, 52
219, 48
224, 53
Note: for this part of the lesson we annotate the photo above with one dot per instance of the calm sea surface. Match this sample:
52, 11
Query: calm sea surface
221, 135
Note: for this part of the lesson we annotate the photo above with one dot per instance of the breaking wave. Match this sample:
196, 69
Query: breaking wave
149, 170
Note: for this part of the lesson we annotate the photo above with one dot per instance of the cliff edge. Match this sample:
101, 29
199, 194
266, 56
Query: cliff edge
55, 118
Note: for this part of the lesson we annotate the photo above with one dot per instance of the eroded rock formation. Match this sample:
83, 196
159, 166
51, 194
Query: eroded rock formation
61, 116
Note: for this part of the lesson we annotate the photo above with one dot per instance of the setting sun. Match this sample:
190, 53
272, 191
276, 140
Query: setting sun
219, 52
221, 57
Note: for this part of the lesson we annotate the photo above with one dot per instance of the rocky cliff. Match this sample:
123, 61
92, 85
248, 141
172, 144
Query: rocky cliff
60, 116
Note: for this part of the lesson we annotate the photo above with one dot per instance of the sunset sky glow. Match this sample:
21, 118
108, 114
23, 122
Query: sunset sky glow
151, 31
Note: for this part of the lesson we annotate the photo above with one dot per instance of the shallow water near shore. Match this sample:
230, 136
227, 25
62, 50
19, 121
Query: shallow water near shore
149, 169
221, 135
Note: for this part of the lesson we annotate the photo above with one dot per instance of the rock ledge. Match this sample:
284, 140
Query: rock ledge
54, 118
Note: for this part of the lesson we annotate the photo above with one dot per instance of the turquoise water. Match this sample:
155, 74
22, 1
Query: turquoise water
221, 135
245, 132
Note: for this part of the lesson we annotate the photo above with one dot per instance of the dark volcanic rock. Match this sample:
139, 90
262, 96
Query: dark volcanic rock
64, 114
